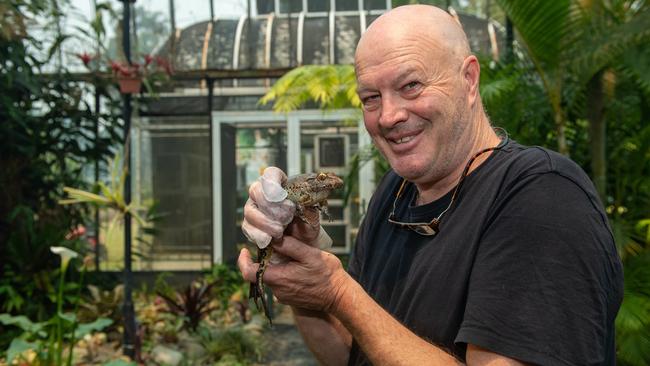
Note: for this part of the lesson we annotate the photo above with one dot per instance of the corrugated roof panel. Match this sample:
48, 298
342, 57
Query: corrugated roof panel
315, 44
221, 44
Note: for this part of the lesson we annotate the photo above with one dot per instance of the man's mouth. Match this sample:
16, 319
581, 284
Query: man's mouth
403, 140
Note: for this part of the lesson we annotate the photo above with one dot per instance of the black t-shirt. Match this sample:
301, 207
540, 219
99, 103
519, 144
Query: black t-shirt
524, 264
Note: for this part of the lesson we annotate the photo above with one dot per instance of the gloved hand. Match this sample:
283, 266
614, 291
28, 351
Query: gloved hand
268, 212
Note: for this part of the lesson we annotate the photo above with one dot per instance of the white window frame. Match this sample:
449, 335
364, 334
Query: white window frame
292, 121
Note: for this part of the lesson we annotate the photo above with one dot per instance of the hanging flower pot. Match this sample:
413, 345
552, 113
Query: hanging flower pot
129, 85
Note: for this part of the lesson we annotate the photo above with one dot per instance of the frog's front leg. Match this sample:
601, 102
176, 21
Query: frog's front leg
322, 207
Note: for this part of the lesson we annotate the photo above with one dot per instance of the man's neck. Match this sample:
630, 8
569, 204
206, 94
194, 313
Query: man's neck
482, 138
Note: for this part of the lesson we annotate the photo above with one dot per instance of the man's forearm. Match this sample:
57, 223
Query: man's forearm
383, 339
325, 336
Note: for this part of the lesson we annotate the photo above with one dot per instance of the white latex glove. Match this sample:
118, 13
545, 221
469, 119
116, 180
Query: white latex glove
268, 212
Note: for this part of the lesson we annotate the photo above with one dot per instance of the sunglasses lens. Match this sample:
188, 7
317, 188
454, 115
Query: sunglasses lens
424, 230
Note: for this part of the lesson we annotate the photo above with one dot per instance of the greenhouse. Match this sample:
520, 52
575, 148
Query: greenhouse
137, 224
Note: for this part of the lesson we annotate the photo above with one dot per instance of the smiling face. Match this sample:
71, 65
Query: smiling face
417, 105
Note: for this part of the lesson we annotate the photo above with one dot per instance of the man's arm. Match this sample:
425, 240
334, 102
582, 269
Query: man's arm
325, 336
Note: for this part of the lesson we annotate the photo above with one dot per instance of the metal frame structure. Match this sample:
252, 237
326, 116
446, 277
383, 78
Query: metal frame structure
292, 120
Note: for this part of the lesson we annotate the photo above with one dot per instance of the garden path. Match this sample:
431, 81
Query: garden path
285, 346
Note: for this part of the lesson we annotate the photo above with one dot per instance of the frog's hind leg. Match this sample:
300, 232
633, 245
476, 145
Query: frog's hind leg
256, 291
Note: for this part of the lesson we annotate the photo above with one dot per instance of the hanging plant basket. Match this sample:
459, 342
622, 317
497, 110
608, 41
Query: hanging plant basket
129, 85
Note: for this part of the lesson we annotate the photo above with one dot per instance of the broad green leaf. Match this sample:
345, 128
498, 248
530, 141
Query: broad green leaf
87, 328
17, 347
22, 322
68, 317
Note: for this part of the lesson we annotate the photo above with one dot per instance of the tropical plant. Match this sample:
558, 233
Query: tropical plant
48, 134
329, 86
592, 59
192, 304
572, 45
44, 341
102, 304
227, 281
231, 345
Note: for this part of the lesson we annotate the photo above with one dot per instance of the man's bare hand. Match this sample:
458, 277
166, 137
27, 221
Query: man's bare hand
311, 279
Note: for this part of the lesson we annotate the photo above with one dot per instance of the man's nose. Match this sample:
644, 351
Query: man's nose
393, 111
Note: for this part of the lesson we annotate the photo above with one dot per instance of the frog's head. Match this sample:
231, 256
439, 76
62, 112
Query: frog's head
328, 180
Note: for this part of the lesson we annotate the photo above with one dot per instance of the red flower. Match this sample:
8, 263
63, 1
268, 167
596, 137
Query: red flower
85, 58
147, 59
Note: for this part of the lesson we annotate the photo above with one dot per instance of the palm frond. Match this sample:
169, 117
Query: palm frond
605, 41
329, 86
546, 27
635, 64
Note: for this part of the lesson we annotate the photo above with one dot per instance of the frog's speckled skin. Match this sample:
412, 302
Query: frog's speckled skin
311, 190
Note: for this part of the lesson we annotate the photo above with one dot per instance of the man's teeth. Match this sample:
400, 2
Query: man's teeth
404, 139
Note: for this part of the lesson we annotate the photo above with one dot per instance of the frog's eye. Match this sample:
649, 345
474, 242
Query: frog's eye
321, 176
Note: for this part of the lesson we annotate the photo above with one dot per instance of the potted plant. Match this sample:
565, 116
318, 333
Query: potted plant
132, 76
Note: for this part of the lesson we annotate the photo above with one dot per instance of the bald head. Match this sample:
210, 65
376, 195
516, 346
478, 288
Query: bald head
420, 26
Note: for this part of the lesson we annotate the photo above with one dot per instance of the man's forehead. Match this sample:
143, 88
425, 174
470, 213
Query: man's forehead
392, 73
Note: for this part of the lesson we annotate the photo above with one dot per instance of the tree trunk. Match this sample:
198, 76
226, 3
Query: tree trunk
597, 134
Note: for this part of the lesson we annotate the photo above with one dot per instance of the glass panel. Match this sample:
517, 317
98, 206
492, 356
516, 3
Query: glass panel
190, 46
316, 154
257, 147
172, 170
290, 6
342, 5
316, 41
347, 35
252, 46
265, 6
284, 39
374, 4
318, 5
222, 43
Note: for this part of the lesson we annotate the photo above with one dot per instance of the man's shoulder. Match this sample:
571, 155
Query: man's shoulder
522, 160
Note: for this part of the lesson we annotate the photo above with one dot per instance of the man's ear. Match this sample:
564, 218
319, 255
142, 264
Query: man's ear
471, 71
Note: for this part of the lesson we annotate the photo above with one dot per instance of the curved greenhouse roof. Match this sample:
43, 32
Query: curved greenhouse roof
273, 41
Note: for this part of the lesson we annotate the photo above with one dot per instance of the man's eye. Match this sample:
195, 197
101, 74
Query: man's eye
370, 101
410, 86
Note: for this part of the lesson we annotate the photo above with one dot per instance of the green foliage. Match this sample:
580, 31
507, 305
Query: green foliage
192, 304
329, 86
226, 281
47, 136
231, 346
46, 339
105, 304
633, 320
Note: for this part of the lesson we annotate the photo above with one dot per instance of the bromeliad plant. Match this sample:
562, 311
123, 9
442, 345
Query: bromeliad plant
42, 343
192, 304
150, 71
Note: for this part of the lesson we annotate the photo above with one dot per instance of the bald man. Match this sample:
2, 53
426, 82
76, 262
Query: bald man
475, 249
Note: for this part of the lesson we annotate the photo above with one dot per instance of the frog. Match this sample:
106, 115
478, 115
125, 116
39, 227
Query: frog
309, 190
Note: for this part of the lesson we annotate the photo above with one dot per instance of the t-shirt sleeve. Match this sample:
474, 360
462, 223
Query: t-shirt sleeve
546, 281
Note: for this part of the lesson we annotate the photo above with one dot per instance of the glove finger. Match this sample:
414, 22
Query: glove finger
281, 212
275, 174
255, 235
272, 190
261, 221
